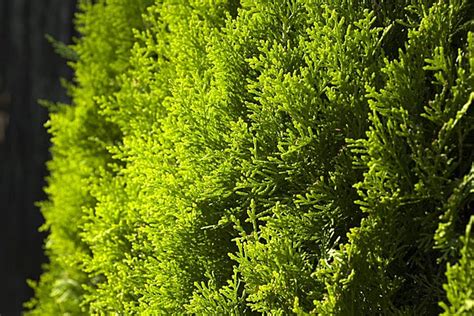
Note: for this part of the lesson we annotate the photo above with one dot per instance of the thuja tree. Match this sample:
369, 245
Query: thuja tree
264, 157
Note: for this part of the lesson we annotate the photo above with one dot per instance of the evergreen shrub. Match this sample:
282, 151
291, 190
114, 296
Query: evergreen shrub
225, 157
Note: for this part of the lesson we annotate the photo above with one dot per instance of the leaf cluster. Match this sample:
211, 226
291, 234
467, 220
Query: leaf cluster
264, 157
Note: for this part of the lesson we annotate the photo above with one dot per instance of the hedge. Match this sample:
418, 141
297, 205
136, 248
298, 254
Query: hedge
225, 157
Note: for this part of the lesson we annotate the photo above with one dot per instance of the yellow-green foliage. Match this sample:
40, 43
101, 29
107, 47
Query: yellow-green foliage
227, 157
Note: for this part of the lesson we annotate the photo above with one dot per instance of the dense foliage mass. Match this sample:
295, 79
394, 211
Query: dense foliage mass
227, 157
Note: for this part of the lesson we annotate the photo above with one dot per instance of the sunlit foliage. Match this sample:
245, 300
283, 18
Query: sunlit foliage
225, 157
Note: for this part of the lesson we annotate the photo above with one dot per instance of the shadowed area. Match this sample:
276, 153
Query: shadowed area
29, 70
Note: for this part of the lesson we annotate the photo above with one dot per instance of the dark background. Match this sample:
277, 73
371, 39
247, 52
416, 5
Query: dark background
29, 70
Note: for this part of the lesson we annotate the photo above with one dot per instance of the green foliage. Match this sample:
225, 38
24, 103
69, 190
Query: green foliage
460, 286
263, 157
